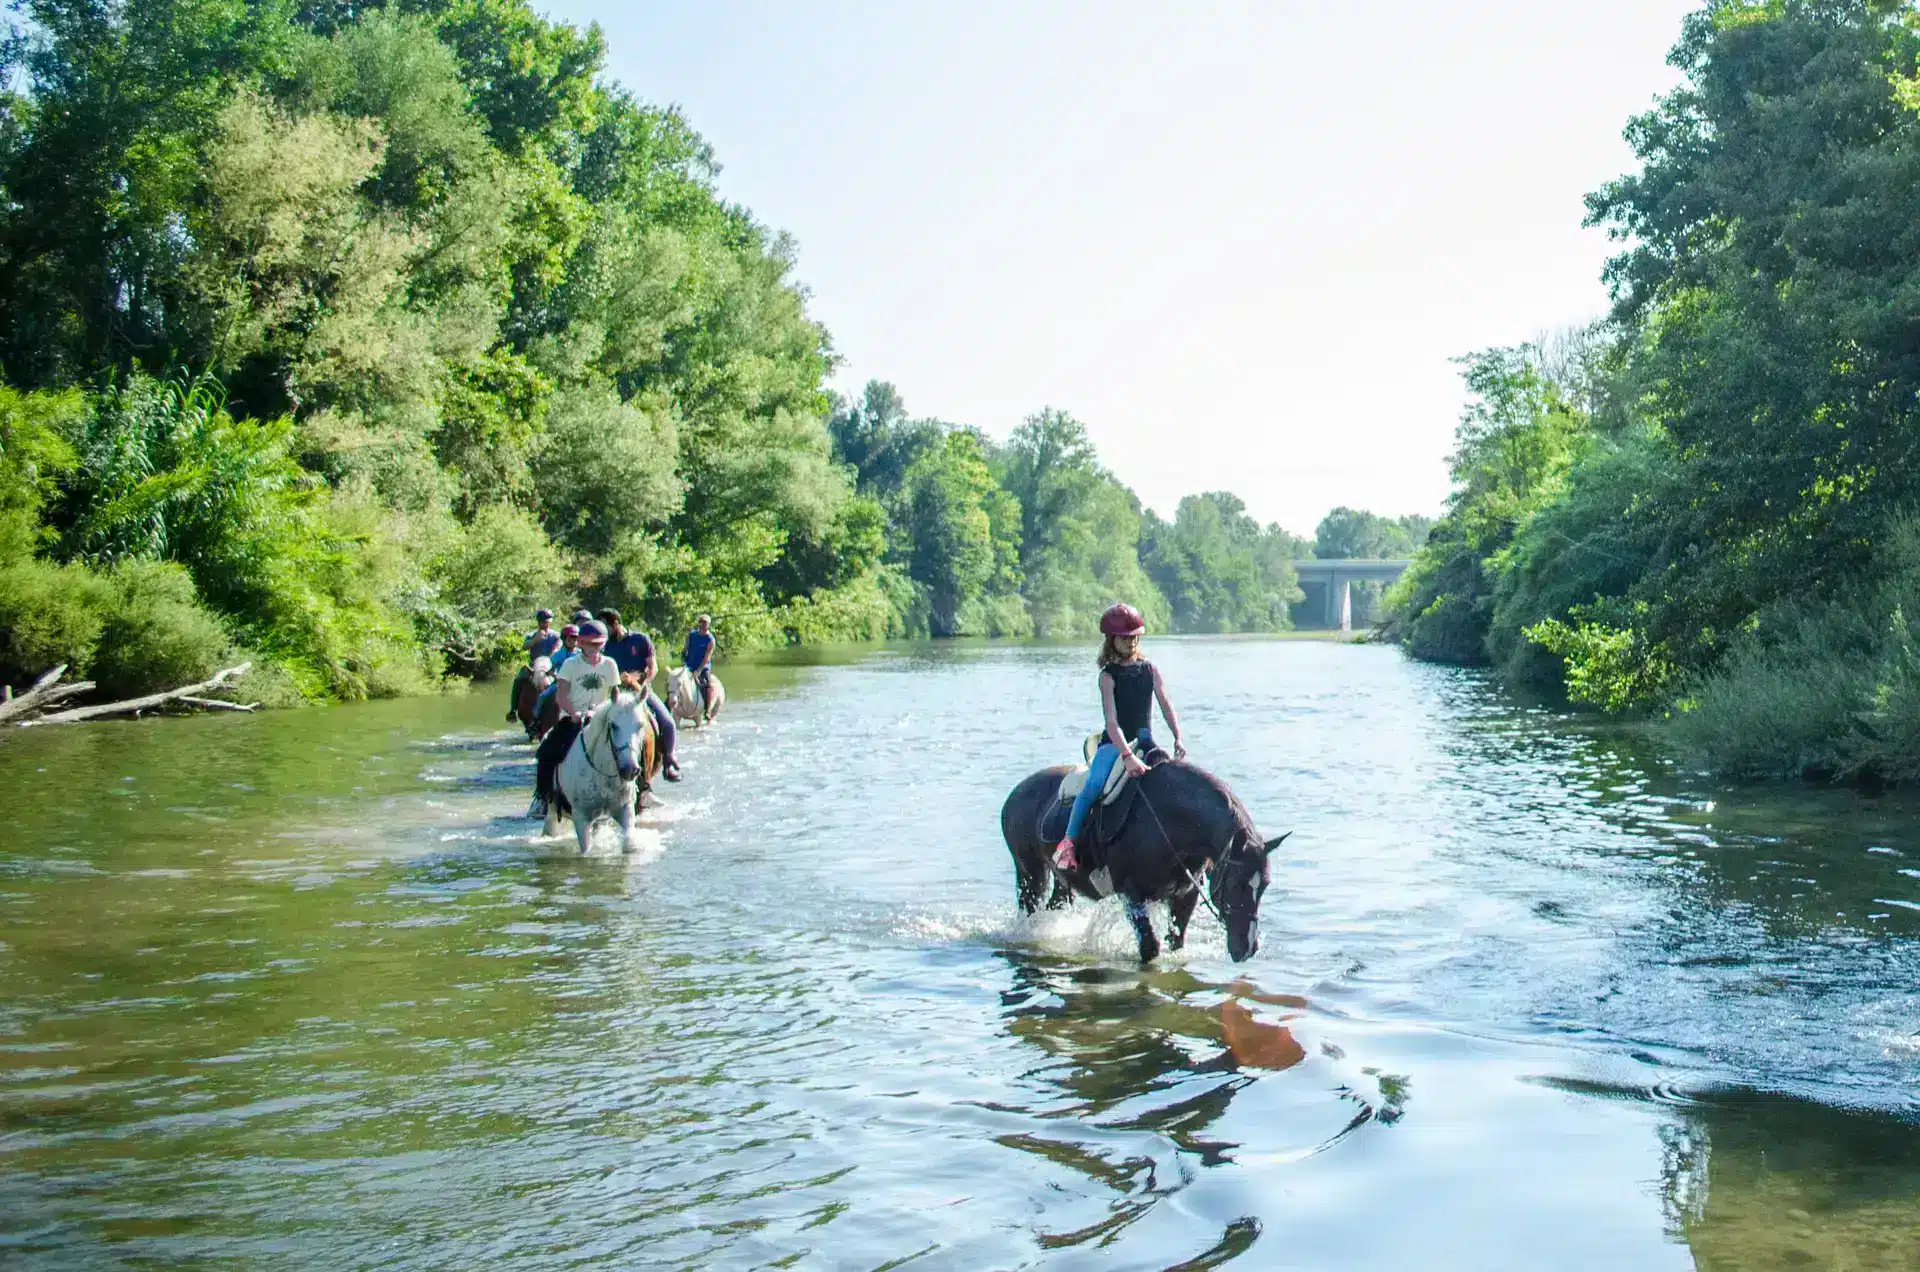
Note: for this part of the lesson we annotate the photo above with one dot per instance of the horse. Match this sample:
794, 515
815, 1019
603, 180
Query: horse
1182, 824
528, 685
683, 695
607, 771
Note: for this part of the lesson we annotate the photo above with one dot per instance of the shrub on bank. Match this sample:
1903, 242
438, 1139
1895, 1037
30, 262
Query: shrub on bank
157, 634
1828, 687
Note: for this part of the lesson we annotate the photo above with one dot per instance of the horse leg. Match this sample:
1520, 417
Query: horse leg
1143, 928
1030, 879
1179, 910
626, 825
582, 828
1061, 897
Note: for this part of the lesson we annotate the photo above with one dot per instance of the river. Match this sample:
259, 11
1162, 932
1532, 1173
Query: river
303, 991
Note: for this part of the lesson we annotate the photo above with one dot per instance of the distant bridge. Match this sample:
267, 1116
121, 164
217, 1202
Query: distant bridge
1334, 578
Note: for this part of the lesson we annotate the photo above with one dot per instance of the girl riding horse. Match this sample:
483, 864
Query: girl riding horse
1129, 684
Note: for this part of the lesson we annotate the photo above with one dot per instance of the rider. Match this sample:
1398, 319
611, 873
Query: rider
569, 645
585, 681
698, 658
634, 652
543, 643
1129, 684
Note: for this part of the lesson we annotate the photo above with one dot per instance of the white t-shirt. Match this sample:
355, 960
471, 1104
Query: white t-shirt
589, 684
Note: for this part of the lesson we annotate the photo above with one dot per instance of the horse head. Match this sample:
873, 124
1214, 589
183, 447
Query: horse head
1238, 882
625, 723
541, 673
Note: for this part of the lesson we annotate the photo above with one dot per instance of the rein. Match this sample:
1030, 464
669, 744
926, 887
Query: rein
1167, 839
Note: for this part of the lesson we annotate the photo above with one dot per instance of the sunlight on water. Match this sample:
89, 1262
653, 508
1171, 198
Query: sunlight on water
307, 991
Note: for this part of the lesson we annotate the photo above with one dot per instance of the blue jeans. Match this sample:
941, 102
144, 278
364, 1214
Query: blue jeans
1097, 773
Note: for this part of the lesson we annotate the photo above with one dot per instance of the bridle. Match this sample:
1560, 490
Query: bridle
586, 748
1225, 856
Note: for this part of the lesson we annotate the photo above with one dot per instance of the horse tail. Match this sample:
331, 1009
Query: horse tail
650, 758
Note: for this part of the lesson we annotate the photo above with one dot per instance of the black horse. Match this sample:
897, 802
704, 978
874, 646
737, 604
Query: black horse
1175, 824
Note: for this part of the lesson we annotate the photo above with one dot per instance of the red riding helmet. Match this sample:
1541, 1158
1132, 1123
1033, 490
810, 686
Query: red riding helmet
1122, 620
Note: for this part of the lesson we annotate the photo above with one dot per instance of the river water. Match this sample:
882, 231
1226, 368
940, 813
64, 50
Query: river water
302, 991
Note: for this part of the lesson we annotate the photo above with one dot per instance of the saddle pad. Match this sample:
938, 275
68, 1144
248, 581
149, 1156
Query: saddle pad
1076, 778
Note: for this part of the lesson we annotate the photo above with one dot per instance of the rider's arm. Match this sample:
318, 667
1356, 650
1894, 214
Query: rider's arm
564, 696
1166, 709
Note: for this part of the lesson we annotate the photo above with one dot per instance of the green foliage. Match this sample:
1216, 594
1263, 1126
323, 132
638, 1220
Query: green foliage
1349, 532
156, 634
342, 335
1219, 569
1527, 418
483, 581
1613, 668
49, 614
1704, 508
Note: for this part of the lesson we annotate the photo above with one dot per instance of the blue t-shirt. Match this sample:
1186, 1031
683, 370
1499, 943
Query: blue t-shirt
633, 652
698, 643
562, 656
542, 644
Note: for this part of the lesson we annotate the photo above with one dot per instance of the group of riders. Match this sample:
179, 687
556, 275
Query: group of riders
588, 660
1194, 828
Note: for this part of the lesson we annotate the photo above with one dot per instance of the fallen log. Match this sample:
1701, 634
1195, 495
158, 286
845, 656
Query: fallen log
217, 704
74, 715
45, 691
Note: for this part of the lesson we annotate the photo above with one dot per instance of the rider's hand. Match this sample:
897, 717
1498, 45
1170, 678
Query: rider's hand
1134, 765
1179, 749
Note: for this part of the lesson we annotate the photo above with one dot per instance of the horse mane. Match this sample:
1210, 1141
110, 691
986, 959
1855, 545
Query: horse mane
1215, 788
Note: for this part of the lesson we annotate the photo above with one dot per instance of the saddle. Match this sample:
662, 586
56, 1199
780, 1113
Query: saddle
1110, 814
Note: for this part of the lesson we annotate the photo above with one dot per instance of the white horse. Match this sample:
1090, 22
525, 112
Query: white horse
683, 695
602, 772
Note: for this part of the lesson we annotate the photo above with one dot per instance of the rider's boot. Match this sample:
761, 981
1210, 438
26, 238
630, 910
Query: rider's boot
670, 769
1063, 858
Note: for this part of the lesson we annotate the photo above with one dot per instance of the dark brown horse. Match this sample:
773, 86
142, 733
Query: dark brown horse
1182, 825
527, 688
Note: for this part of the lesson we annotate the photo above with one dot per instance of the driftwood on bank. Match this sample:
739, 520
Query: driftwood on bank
44, 692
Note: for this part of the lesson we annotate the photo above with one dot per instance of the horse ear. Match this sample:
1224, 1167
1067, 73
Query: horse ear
1276, 841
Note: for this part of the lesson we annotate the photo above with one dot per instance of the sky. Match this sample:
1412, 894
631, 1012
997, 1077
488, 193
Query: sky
1241, 242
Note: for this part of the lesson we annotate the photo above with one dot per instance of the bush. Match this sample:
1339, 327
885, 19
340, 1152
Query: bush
158, 636
1612, 666
483, 583
50, 614
1823, 687
1783, 708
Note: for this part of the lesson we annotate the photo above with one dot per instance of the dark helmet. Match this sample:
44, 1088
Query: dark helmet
582, 615
591, 630
543, 615
1122, 620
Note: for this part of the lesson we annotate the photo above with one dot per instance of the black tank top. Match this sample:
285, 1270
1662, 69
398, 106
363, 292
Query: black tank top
1132, 696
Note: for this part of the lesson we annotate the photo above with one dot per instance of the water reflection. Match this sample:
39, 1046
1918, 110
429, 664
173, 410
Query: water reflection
1757, 1181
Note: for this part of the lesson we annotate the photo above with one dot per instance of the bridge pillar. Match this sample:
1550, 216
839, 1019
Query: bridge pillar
1338, 612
